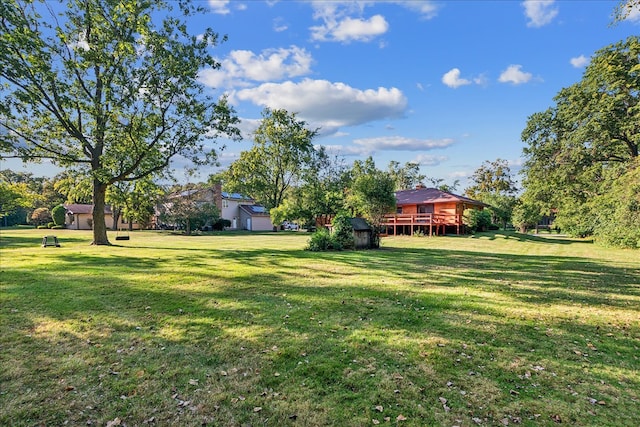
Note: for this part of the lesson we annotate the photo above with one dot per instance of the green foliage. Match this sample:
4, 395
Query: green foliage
577, 150
492, 178
110, 88
322, 240
282, 157
58, 214
343, 231
618, 213
371, 195
477, 220
525, 215
405, 177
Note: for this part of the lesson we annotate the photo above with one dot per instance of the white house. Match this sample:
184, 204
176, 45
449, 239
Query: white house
242, 212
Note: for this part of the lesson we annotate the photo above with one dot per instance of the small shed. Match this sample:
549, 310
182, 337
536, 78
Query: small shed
362, 233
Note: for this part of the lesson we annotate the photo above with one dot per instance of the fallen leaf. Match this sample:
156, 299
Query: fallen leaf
375, 422
505, 421
257, 409
223, 373
476, 420
401, 418
115, 422
193, 382
379, 408
556, 418
442, 400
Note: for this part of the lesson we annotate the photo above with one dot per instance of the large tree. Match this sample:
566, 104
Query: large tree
281, 158
371, 195
576, 150
493, 184
107, 85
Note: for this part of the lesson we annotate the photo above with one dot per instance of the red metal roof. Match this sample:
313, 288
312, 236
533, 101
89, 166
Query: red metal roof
419, 196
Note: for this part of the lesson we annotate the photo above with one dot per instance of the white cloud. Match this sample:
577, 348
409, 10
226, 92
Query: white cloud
429, 160
539, 12
427, 9
580, 61
514, 74
452, 79
349, 29
402, 143
272, 64
220, 7
279, 25
347, 151
634, 14
326, 104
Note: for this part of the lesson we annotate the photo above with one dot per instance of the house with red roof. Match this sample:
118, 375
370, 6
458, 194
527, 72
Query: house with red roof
428, 211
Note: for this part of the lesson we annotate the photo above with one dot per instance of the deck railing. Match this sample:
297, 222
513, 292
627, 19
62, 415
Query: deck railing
433, 221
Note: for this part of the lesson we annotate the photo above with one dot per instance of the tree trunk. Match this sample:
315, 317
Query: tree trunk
116, 218
99, 225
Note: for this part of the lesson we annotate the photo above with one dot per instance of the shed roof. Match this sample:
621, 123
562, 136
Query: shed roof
419, 196
359, 224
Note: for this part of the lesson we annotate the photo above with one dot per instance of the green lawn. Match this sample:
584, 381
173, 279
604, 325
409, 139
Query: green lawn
250, 329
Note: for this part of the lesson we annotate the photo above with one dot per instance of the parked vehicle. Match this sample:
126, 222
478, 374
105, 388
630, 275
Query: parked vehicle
286, 225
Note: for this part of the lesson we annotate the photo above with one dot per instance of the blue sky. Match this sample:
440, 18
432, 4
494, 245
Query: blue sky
447, 84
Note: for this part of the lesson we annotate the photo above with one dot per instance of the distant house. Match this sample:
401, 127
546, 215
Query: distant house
241, 211
428, 210
80, 217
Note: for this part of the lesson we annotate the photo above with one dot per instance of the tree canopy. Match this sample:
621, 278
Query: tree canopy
107, 86
578, 149
281, 158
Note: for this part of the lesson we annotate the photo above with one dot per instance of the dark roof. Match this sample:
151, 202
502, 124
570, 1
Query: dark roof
235, 196
359, 224
419, 196
257, 210
78, 208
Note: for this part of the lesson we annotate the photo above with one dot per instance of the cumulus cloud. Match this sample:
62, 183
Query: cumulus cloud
350, 29
579, 61
326, 104
452, 79
402, 143
514, 75
347, 151
242, 66
539, 12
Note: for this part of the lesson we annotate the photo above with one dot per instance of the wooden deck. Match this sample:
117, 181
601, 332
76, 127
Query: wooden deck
427, 223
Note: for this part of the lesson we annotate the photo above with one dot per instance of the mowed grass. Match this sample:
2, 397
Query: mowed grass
250, 329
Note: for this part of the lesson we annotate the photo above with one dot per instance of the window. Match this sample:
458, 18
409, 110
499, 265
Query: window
225, 203
399, 209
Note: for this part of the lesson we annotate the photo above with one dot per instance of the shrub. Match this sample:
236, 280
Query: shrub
343, 231
322, 240
42, 227
58, 227
58, 215
477, 220
220, 224
50, 224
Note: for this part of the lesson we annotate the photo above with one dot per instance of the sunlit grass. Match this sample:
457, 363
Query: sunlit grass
239, 329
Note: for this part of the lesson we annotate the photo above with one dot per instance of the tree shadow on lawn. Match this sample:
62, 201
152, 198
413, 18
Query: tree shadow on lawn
409, 317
